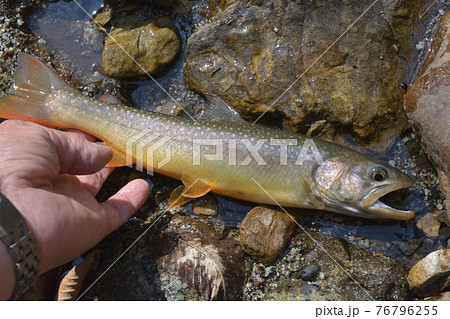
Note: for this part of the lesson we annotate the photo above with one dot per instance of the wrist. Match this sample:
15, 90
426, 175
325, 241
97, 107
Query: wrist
8, 278
20, 244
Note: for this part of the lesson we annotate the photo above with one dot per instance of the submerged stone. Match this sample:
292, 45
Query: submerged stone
154, 45
265, 232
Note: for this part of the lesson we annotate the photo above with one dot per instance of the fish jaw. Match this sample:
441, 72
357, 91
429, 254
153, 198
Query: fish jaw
348, 187
379, 210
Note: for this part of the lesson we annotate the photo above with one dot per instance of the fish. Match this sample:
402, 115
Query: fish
216, 152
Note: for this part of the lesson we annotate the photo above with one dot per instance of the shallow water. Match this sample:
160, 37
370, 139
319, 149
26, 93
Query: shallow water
66, 31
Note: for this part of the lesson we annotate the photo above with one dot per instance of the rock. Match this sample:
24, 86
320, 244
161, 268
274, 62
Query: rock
265, 232
428, 104
431, 274
309, 273
155, 45
408, 247
210, 262
349, 273
249, 54
429, 225
308, 289
206, 205
102, 18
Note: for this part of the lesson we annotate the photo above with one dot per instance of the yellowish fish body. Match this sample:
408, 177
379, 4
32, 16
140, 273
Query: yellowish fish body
230, 158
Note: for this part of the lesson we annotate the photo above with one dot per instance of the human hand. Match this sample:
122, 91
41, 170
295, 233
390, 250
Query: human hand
51, 177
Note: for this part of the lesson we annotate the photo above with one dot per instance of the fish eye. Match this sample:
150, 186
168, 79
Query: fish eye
378, 174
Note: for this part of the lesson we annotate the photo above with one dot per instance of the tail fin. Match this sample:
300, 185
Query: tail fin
33, 81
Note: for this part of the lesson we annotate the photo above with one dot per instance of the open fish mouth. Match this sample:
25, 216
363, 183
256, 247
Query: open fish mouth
373, 207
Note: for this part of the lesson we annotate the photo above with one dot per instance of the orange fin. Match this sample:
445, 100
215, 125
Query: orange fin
315, 200
33, 81
177, 199
194, 187
109, 98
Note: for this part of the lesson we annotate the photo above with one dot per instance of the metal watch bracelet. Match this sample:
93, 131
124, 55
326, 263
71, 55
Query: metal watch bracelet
21, 245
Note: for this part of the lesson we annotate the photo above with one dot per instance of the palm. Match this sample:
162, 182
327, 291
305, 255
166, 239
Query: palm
60, 208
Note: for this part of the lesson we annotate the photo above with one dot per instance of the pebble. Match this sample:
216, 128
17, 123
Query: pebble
264, 233
308, 289
419, 45
309, 273
206, 205
429, 225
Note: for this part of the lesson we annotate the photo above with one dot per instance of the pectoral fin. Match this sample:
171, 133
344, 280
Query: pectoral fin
194, 187
177, 199
313, 199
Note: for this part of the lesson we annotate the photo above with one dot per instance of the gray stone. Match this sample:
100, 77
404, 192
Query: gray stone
309, 273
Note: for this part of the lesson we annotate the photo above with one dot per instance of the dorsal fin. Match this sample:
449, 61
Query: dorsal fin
218, 109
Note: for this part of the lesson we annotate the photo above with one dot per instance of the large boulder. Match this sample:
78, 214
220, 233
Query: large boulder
250, 54
428, 104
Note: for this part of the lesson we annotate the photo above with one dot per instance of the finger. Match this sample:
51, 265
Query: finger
126, 202
92, 183
89, 137
77, 155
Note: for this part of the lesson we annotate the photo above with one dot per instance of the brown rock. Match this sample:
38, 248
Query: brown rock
154, 45
206, 205
249, 54
431, 274
265, 232
429, 225
428, 104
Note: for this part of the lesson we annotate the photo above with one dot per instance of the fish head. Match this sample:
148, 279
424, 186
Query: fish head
353, 186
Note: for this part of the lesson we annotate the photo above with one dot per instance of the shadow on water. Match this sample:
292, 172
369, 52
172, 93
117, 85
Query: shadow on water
65, 30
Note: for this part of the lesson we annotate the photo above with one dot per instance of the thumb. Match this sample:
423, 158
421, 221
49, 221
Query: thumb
122, 205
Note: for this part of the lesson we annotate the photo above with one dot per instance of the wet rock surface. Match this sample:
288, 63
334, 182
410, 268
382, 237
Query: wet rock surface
346, 273
431, 274
250, 54
428, 104
264, 233
155, 45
